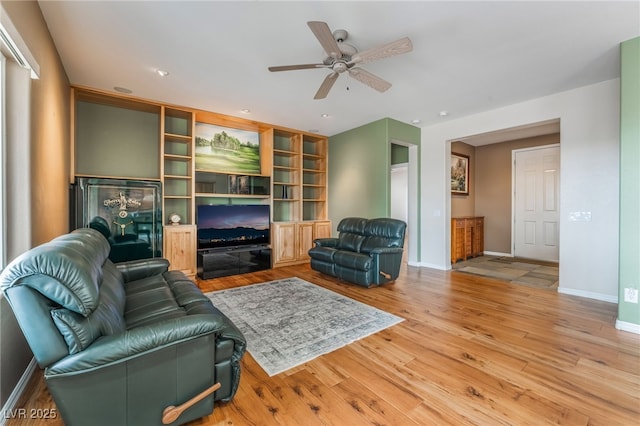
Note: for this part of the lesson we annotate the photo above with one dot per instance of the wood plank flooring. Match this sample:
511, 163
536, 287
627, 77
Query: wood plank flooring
472, 350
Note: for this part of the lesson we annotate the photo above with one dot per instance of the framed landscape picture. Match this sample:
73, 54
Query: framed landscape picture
459, 174
223, 149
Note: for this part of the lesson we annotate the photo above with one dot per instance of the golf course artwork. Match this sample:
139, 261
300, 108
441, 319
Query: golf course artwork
223, 149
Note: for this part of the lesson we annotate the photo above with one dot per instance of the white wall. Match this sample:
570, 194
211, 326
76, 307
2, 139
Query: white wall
589, 150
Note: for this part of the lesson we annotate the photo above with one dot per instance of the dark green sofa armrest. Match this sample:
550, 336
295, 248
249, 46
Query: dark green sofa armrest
114, 349
325, 242
137, 269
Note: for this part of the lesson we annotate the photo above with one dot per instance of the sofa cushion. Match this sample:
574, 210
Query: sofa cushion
324, 254
73, 264
78, 332
152, 300
183, 289
351, 233
358, 261
350, 242
383, 232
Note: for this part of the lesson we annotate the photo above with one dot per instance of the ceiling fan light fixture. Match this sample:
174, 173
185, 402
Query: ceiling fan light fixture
342, 57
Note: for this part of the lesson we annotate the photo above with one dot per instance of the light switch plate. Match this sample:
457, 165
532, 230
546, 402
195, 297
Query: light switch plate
580, 216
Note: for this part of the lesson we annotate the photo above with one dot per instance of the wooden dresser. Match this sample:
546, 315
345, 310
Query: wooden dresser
467, 237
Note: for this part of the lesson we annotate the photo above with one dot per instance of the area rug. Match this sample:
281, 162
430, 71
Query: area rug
532, 273
291, 321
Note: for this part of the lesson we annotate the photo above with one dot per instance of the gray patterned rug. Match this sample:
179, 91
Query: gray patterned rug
289, 322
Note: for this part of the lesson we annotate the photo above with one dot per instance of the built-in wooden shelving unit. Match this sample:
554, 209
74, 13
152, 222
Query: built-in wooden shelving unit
292, 177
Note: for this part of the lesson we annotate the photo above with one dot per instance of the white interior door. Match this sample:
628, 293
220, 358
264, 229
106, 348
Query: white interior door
536, 203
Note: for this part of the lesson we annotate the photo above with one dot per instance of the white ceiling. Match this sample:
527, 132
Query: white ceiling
468, 56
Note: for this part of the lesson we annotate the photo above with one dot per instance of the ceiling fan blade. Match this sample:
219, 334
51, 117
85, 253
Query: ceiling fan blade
297, 67
394, 48
325, 37
369, 79
326, 85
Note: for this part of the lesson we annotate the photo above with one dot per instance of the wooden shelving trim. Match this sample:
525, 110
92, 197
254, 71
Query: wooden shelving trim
286, 199
178, 197
211, 172
309, 156
284, 153
177, 138
177, 157
181, 177
216, 195
285, 168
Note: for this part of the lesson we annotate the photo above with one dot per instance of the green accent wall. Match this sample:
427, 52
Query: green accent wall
113, 141
629, 274
360, 168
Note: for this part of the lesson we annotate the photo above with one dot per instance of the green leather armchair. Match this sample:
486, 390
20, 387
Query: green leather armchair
121, 344
367, 252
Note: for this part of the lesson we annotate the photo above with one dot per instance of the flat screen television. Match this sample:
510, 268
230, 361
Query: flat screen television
232, 226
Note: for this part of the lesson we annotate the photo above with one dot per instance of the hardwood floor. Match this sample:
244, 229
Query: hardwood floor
472, 351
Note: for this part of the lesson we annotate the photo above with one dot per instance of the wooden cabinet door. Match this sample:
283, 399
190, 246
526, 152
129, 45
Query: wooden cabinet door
284, 243
180, 248
478, 237
457, 239
322, 229
305, 240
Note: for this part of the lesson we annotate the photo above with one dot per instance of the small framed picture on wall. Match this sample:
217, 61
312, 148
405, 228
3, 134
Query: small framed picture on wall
459, 174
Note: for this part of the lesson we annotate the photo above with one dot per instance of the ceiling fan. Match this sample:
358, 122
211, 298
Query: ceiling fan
344, 57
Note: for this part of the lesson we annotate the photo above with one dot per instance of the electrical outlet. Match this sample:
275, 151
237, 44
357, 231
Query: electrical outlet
631, 295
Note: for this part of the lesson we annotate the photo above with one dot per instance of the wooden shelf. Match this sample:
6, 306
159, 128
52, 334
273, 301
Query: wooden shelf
215, 195
177, 157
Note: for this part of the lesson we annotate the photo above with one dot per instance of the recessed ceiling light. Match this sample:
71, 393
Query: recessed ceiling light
313, 130
416, 121
245, 110
162, 73
325, 115
443, 113
122, 89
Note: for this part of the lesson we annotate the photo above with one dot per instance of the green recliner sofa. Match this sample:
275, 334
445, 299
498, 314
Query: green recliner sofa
121, 344
367, 252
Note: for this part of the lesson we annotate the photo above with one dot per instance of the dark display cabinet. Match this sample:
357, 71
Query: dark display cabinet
127, 212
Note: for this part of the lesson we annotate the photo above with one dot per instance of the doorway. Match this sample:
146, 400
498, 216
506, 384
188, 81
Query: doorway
404, 184
492, 188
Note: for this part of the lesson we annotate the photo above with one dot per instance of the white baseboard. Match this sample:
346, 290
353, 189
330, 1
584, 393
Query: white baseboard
496, 253
431, 265
628, 326
9, 407
588, 294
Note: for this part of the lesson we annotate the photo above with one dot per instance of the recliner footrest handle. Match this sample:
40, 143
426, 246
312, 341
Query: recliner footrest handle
171, 413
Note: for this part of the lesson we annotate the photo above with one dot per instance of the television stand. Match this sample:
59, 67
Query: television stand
225, 261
